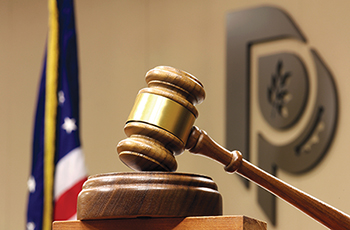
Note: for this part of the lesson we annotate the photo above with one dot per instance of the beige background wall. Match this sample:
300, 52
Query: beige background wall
118, 42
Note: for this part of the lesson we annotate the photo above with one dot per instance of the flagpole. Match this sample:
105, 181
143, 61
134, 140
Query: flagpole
50, 113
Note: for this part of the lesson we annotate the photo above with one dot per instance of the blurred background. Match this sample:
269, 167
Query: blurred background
118, 42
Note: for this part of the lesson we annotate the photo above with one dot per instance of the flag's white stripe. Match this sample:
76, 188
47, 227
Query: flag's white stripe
74, 217
69, 170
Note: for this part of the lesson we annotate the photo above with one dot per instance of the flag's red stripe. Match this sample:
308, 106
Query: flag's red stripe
66, 205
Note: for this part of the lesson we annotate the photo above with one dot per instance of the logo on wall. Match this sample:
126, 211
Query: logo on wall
290, 93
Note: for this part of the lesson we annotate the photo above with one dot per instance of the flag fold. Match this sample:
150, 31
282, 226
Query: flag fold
58, 165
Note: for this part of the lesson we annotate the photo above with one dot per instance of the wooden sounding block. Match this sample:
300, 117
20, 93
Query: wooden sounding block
188, 223
148, 194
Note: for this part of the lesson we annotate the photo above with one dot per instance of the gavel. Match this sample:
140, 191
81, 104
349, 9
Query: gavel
160, 126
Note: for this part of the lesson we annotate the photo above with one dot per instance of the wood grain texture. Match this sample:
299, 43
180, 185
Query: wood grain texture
144, 153
189, 223
317, 209
148, 194
149, 146
199, 142
176, 85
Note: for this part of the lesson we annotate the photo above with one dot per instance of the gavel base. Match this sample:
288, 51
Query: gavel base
193, 223
148, 194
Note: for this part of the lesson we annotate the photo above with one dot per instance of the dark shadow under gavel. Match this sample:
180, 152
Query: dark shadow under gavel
160, 126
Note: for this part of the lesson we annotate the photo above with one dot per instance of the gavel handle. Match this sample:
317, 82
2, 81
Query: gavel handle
199, 142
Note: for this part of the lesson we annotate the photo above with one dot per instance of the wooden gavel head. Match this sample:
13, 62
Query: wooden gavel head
161, 120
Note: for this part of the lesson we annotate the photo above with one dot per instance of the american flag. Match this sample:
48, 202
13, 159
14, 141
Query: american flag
58, 165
